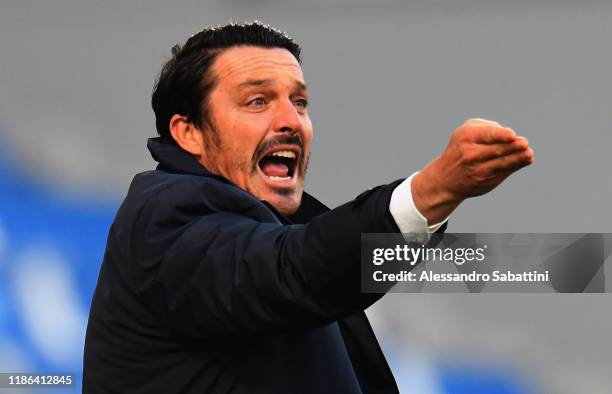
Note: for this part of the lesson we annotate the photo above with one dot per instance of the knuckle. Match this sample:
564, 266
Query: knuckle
470, 156
479, 174
471, 172
481, 178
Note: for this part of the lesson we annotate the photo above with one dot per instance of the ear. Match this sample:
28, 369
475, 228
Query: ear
187, 135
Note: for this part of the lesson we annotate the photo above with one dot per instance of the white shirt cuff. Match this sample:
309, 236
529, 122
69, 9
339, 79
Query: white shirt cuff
409, 220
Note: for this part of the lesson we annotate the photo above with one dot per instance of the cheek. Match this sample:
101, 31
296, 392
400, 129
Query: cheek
245, 138
250, 129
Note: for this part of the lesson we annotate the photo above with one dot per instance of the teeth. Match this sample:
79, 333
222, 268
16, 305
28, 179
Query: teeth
284, 153
279, 178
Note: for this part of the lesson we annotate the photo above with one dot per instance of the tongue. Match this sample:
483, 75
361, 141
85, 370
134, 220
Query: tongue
274, 169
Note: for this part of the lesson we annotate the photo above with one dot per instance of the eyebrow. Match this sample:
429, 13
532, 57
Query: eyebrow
254, 82
299, 85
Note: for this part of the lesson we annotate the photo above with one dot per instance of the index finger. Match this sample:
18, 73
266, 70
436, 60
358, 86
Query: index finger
494, 135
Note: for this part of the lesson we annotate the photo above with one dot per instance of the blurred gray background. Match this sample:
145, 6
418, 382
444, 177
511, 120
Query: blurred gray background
389, 81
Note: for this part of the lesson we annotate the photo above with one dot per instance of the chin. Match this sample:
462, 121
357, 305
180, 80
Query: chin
285, 204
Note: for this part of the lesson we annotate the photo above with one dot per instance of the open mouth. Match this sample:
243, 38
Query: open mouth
279, 165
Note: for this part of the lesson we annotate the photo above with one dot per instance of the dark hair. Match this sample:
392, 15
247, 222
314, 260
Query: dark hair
184, 83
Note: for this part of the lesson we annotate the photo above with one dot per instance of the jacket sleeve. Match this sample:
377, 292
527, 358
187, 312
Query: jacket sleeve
213, 273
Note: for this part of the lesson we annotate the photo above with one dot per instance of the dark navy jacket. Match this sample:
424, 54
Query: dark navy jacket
206, 289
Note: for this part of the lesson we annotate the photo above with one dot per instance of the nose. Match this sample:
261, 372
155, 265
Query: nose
287, 119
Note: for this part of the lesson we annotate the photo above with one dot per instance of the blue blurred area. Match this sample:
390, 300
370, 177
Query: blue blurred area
419, 371
479, 380
51, 248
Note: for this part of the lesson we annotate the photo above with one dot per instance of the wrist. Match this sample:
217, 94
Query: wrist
432, 199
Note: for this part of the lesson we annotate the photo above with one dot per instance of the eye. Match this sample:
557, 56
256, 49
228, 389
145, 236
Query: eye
257, 102
302, 103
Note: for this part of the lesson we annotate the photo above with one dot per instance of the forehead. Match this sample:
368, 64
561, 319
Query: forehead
236, 65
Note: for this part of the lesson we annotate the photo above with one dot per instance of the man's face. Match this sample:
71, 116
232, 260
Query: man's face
260, 134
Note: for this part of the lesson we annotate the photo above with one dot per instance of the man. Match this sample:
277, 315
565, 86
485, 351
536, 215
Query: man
220, 274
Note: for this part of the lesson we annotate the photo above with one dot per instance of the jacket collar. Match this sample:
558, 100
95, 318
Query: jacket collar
172, 158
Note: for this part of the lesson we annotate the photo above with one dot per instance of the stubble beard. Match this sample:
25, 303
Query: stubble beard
214, 146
